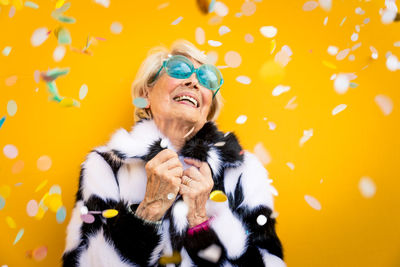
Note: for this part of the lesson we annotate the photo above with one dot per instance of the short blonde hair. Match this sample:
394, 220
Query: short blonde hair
150, 66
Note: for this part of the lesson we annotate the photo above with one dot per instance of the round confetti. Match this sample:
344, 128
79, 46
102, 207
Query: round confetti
354, 37
32, 208
338, 109
87, 218
249, 38
214, 43
314, 203
310, 5
223, 30
40, 253
10, 81
140, 102
341, 84
200, 35
10, 151
83, 91
241, 119
332, 50
5, 191
55, 189
17, 167
384, 103
10, 222
233, 59
367, 187
84, 210
116, 27
110, 213
392, 63
2, 202
44, 163
268, 31
326, 4
59, 53
248, 8
61, 214
19, 235
261, 220
218, 196
54, 202
12, 107
262, 154
243, 79
39, 36
221, 9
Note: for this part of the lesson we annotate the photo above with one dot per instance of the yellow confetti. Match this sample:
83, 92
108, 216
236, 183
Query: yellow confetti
39, 215
110, 213
329, 64
60, 3
11, 223
40, 186
218, 196
53, 201
272, 46
18, 4
175, 258
5, 191
4, 2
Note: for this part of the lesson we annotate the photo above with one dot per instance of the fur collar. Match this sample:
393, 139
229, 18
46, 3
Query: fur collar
145, 141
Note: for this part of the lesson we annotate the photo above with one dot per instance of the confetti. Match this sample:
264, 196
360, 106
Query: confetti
325, 4
61, 214
310, 6
6, 51
261, 220
233, 59
39, 253
200, 35
211, 253
19, 235
272, 46
104, 3
384, 103
354, 37
214, 43
83, 91
176, 22
268, 31
11, 13
248, 8
63, 36
342, 54
10, 81
249, 38
241, 119
140, 102
367, 187
280, 89
110, 213
10, 222
218, 196
223, 30
116, 28
10, 151
2, 120
290, 165
329, 64
11, 108
221, 9
55, 189
262, 154
343, 20
272, 125
341, 83
87, 218
41, 185
2, 202
283, 56
84, 210
291, 104
32, 208
313, 202
53, 74
59, 53
307, 134
44, 163
392, 63
39, 36
60, 3
31, 4
359, 11
325, 21
53, 202
219, 144
338, 109
174, 259
332, 50
243, 79
164, 143
5, 191
17, 167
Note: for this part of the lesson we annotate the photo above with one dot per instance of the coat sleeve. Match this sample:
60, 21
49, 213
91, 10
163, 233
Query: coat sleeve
123, 240
243, 234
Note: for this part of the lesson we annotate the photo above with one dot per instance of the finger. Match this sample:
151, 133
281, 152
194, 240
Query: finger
176, 172
164, 155
193, 162
184, 190
171, 163
201, 165
193, 173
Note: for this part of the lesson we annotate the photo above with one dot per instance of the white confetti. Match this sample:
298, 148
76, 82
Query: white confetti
392, 63
325, 21
12, 107
116, 27
221, 9
384, 103
164, 143
397, 44
219, 144
356, 46
280, 89
352, 57
310, 5
59, 53
241, 119
341, 83
325, 4
10, 151
290, 104
214, 43
343, 54
268, 31
367, 187
313, 202
243, 79
262, 154
249, 38
83, 91
233, 59
307, 134
290, 165
211, 253
223, 30
200, 35
175, 22
338, 109
272, 125
388, 16
104, 3
39, 36
333, 50
84, 210
261, 220
359, 11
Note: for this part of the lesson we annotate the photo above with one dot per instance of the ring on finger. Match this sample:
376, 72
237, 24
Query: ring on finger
186, 180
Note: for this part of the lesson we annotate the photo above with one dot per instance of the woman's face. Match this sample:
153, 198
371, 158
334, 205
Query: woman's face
183, 99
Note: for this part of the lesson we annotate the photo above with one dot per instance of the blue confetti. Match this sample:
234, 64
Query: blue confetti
19, 235
2, 202
2, 121
61, 214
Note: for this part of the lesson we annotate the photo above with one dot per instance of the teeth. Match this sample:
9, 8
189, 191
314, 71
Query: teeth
185, 97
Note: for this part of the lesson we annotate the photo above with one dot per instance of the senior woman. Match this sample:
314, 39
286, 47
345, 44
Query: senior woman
144, 198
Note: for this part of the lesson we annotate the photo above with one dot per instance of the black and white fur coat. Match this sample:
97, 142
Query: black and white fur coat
114, 177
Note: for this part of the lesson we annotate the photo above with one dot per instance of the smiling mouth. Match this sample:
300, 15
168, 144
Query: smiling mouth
184, 99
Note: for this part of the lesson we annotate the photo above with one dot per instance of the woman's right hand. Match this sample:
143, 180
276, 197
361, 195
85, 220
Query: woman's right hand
164, 173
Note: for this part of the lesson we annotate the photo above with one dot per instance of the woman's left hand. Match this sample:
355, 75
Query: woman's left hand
195, 189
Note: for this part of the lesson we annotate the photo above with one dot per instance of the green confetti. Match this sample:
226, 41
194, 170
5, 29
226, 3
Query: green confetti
31, 4
66, 19
6, 50
55, 73
64, 37
353, 85
19, 235
55, 96
2, 202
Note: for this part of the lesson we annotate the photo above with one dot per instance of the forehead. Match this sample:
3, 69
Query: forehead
196, 63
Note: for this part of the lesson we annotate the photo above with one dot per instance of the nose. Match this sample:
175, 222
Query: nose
192, 82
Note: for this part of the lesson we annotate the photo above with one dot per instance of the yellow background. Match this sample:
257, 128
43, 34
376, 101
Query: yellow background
349, 230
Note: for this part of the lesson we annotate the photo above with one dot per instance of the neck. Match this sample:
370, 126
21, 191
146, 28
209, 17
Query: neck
177, 131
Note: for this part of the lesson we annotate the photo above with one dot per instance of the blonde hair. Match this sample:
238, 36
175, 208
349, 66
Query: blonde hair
145, 77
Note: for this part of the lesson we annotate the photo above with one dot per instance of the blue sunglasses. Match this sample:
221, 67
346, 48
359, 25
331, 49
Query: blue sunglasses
180, 67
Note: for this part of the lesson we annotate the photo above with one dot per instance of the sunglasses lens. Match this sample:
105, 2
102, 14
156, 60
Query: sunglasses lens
209, 76
179, 67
